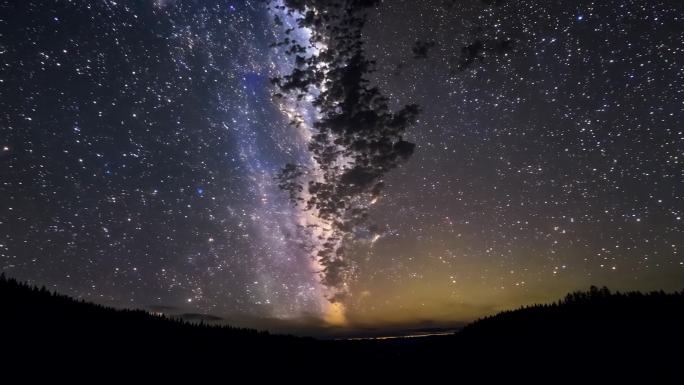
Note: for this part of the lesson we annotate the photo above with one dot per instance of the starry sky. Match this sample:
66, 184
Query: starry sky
140, 141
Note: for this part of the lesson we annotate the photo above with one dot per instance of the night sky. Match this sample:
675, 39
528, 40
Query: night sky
140, 143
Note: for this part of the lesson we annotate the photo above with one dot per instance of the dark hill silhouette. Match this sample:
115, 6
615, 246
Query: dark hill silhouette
589, 337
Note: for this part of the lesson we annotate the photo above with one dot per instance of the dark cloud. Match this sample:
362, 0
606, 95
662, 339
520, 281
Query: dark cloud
163, 309
357, 139
479, 49
421, 48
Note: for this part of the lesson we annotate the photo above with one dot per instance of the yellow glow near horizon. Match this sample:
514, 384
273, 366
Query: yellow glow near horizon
336, 314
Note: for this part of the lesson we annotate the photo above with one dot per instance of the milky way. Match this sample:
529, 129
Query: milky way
141, 149
140, 141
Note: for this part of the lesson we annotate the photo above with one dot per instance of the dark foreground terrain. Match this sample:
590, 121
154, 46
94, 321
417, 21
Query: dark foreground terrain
587, 338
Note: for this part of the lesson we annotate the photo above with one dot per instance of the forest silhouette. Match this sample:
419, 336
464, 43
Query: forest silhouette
596, 336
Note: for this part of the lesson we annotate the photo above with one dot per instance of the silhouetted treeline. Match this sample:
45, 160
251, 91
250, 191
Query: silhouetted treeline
30, 305
588, 337
55, 330
593, 337
595, 311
